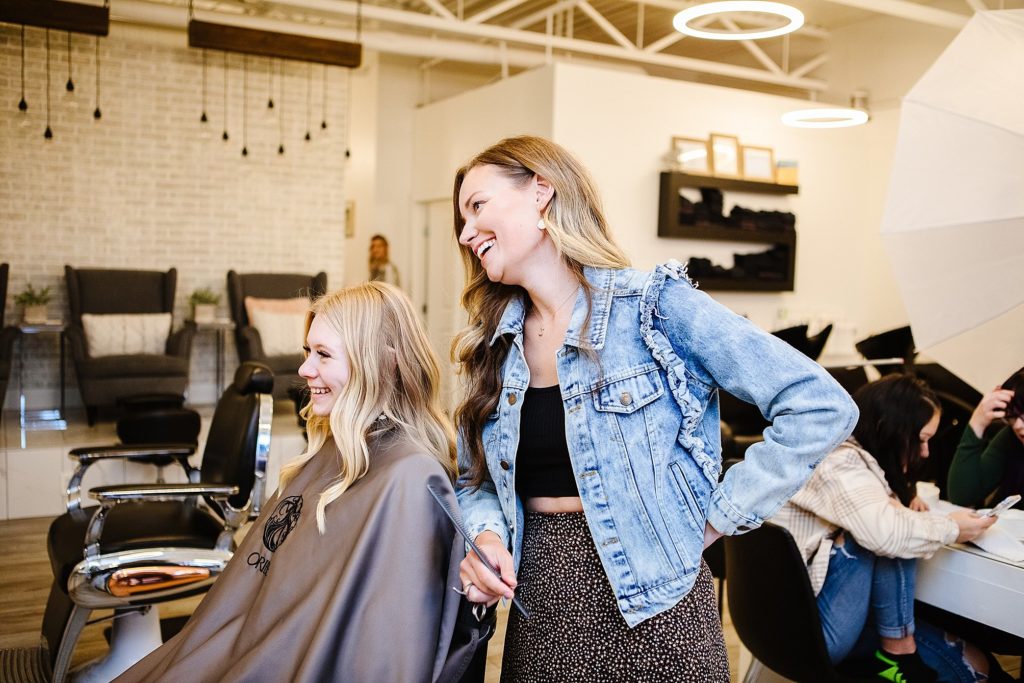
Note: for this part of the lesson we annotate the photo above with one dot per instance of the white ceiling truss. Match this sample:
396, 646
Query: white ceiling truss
525, 33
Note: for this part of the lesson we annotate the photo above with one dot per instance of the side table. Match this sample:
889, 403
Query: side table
220, 328
50, 418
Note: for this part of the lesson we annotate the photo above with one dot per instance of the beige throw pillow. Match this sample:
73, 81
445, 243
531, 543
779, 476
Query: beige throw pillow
280, 322
122, 334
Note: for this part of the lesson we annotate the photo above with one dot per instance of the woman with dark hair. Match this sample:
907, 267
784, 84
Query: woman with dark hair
893, 412
857, 530
991, 461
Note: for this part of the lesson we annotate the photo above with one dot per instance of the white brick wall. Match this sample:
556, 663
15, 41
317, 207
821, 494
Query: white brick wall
148, 186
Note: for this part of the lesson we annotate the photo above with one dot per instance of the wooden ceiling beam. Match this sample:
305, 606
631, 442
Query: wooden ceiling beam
58, 15
250, 41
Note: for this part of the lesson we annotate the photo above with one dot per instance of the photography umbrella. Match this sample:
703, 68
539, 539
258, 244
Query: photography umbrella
953, 224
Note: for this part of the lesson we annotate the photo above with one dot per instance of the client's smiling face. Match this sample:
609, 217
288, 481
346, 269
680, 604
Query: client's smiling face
326, 368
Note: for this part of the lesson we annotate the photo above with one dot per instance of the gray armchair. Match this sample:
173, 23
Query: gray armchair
8, 335
104, 380
269, 286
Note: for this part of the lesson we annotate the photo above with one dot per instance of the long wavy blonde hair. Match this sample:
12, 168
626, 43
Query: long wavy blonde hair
575, 223
392, 391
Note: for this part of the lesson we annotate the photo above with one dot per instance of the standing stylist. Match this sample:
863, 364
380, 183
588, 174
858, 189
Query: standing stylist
589, 432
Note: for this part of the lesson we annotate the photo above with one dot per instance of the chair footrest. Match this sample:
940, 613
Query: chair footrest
25, 665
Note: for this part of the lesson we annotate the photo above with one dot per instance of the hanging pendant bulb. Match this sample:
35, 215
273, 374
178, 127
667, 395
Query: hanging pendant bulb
323, 103
22, 103
48, 133
309, 97
245, 107
70, 85
348, 114
224, 135
270, 84
280, 114
96, 114
203, 118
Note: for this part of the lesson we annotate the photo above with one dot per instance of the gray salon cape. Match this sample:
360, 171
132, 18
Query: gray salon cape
369, 600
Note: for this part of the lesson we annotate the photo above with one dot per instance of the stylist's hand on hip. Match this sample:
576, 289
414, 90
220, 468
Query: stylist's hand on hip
711, 534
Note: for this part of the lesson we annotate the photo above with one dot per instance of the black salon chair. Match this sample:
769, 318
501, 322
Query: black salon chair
157, 418
850, 378
247, 337
8, 335
797, 337
773, 608
151, 543
816, 344
890, 345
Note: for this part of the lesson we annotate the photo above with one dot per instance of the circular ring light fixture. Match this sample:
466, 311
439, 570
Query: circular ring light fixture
831, 117
793, 17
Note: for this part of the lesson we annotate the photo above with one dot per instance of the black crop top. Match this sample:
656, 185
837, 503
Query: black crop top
542, 461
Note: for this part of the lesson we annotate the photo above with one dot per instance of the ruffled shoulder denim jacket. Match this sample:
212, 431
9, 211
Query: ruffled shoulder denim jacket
642, 427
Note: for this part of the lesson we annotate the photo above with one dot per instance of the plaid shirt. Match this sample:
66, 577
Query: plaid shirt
848, 492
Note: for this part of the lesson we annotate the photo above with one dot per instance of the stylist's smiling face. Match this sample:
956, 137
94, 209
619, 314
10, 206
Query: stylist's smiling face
501, 221
326, 368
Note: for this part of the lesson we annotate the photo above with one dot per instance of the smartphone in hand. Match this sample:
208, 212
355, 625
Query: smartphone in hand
1004, 505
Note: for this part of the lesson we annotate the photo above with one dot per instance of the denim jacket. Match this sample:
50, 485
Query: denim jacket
642, 428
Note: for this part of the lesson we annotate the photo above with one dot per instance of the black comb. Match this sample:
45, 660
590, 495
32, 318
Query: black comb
462, 532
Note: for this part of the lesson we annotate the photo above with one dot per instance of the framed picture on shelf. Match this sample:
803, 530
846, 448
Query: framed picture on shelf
758, 163
725, 155
690, 155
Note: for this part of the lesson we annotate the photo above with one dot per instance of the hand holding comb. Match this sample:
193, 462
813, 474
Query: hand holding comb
441, 500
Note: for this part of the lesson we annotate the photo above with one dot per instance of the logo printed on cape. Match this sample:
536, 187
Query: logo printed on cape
281, 523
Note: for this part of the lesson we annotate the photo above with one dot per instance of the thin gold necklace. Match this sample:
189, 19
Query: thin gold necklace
540, 320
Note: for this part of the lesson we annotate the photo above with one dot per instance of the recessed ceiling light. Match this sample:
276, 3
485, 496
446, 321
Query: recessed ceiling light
794, 17
830, 117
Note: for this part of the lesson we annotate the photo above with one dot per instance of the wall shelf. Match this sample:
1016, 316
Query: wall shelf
721, 233
732, 184
669, 225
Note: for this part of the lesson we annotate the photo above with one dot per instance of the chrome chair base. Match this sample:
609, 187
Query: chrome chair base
136, 633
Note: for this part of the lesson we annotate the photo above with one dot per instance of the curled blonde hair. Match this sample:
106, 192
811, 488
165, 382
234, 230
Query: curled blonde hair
393, 388
575, 222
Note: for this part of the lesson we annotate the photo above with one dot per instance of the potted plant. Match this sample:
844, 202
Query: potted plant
204, 305
33, 303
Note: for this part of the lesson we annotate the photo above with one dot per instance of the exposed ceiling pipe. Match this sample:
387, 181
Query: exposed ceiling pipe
347, 8
138, 11
167, 16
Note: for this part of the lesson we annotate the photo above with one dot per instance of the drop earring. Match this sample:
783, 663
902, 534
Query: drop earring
541, 225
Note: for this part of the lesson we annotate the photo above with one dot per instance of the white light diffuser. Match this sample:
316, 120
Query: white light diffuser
830, 117
793, 17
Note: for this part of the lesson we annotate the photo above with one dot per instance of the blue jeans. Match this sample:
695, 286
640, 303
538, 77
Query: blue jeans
866, 596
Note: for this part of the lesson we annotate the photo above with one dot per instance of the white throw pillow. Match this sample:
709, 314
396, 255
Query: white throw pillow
122, 334
281, 333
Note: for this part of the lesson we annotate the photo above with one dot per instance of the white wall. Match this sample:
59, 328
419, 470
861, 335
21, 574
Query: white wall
836, 232
449, 132
148, 187
883, 55
385, 102
620, 124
